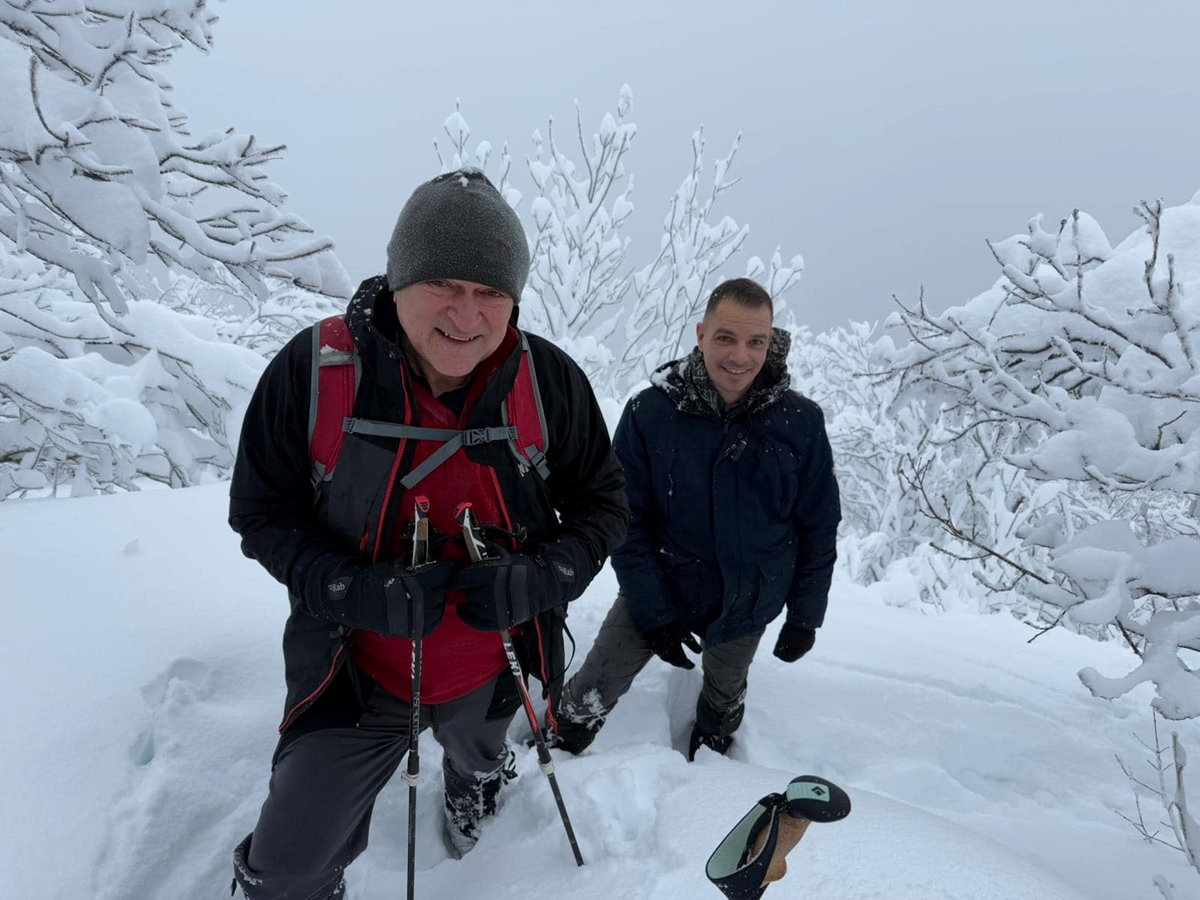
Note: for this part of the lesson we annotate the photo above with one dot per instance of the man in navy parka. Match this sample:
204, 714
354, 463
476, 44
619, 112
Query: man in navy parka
734, 510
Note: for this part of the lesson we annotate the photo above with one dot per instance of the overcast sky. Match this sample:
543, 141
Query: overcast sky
882, 141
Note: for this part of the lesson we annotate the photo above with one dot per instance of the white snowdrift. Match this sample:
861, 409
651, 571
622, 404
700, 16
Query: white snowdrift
143, 684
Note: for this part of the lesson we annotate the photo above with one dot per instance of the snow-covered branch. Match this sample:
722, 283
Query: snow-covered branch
107, 207
1078, 369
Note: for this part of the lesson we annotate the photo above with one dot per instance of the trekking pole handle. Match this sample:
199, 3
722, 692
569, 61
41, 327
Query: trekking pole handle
791, 830
420, 540
807, 799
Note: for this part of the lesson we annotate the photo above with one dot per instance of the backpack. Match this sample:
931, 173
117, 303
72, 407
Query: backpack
336, 371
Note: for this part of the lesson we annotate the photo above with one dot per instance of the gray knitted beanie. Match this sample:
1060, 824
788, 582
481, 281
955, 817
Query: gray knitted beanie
458, 226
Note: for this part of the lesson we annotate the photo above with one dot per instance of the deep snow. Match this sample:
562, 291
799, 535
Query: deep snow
144, 683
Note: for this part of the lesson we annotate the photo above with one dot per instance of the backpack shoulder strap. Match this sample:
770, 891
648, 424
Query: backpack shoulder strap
523, 408
336, 370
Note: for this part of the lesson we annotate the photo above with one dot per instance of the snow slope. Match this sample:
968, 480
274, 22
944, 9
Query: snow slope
143, 683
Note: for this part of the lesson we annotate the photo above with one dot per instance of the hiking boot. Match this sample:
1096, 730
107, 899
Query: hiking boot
711, 741
468, 801
572, 736
714, 729
577, 722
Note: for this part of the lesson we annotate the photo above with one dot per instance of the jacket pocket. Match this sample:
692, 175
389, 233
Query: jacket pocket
775, 481
683, 575
696, 587
774, 581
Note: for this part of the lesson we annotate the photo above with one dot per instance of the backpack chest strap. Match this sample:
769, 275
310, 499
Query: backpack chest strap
452, 440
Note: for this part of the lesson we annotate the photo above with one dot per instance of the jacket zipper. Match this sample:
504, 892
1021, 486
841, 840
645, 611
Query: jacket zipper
311, 698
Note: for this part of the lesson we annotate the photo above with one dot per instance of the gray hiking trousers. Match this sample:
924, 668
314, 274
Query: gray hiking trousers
317, 814
620, 652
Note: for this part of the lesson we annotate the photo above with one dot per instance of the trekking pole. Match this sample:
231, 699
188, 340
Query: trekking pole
420, 557
477, 550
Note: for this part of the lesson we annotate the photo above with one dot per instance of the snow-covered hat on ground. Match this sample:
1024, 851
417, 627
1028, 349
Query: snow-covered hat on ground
459, 226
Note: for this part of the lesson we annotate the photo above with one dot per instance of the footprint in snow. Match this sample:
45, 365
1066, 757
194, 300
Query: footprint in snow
185, 682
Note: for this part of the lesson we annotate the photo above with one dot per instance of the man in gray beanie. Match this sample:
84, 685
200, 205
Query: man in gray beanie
458, 226
436, 400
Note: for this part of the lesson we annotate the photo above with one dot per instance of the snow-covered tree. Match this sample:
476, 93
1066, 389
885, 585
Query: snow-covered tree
1162, 778
579, 283
106, 203
845, 370
1074, 385
670, 292
261, 325
578, 278
458, 132
1077, 380
100, 173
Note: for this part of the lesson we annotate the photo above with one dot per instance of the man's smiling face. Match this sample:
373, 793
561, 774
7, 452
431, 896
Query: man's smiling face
450, 327
733, 340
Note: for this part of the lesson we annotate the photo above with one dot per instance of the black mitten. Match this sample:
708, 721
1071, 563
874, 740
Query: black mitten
794, 642
388, 598
506, 589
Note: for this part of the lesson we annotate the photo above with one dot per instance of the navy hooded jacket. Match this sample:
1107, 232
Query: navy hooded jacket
734, 510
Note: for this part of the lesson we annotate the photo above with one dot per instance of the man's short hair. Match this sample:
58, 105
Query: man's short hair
743, 291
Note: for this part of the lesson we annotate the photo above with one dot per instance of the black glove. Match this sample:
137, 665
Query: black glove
507, 589
391, 599
667, 643
794, 642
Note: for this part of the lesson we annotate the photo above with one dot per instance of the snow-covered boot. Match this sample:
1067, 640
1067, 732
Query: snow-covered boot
713, 742
714, 729
469, 800
571, 735
577, 722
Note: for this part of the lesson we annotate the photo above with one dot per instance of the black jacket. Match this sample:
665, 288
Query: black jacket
734, 511
300, 537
